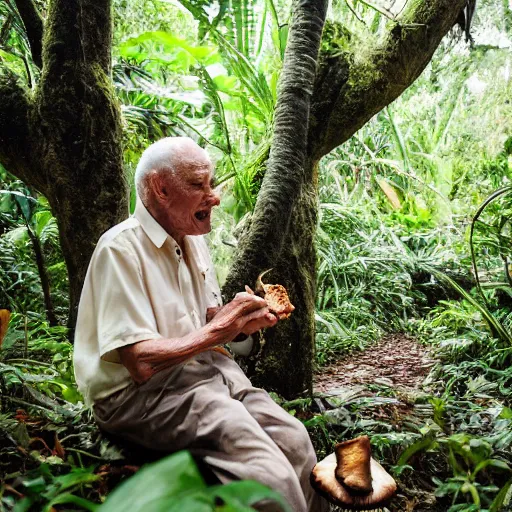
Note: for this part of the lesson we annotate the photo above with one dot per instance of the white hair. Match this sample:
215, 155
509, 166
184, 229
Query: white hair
164, 155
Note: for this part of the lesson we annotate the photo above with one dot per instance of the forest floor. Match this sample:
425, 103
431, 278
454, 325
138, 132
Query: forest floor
377, 390
396, 360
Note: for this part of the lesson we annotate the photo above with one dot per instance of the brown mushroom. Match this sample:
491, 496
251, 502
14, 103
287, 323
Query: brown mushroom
353, 464
276, 297
342, 478
5, 315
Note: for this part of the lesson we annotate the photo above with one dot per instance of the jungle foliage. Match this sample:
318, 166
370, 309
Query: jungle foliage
413, 236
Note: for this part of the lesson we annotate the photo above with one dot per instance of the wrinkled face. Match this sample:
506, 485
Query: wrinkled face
190, 197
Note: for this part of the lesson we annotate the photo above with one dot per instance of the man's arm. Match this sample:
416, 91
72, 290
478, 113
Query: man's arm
245, 313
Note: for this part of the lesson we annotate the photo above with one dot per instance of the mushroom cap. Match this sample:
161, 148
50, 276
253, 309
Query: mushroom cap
278, 300
323, 479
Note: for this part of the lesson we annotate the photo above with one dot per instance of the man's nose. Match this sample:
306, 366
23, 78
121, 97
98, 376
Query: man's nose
214, 197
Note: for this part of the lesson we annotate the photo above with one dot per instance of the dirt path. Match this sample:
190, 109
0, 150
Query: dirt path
396, 361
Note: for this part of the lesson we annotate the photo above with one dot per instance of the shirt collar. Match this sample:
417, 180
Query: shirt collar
151, 227
158, 236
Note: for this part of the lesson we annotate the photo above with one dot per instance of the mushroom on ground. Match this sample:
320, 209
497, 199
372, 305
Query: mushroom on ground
276, 297
345, 482
5, 315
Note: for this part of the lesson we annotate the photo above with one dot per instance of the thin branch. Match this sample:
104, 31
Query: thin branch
354, 12
15, 106
41, 267
380, 10
34, 27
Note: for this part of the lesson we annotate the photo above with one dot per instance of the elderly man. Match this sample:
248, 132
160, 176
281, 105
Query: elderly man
150, 363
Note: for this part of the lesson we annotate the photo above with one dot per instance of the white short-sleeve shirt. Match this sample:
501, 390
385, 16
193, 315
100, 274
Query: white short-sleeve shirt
138, 287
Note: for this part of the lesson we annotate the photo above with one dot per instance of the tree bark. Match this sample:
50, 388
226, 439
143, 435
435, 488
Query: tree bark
351, 89
65, 140
79, 128
348, 91
286, 210
285, 363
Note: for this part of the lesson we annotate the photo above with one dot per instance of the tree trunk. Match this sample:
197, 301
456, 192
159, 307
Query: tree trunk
65, 140
285, 363
348, 91
284, 218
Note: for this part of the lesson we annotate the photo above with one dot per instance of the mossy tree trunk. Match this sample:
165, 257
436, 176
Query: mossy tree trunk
65, 138
348, 91
284, 219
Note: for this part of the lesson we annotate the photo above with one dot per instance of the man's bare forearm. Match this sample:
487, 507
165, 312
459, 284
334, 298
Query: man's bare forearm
145, 358
245, 311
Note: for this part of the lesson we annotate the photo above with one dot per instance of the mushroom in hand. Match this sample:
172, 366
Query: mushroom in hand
276, 297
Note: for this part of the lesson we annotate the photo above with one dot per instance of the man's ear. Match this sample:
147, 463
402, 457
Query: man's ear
158, 187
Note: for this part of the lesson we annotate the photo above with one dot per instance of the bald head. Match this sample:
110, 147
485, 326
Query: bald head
169, 155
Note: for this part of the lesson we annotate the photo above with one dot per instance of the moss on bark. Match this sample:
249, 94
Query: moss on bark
286, 360
284, 219
352, 87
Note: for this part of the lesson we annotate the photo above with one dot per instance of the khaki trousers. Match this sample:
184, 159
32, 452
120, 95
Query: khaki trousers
208, 406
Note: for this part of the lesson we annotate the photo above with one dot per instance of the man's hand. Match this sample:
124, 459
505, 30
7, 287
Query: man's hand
245, 314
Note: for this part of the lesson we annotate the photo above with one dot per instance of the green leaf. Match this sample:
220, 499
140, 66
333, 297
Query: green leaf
423, 444
503, 498
77, 477
226, 84
75, 500
242, 495
169, 49
495, 326
506, 413
154, 483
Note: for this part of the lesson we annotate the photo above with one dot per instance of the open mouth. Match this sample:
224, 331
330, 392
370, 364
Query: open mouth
202, 214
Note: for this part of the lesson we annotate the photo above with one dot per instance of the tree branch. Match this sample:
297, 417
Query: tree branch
34, 27
285, 173
15, 144
350, 90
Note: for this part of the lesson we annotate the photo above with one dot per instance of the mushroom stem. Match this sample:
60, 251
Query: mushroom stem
353, 465
260, 287
324, 480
